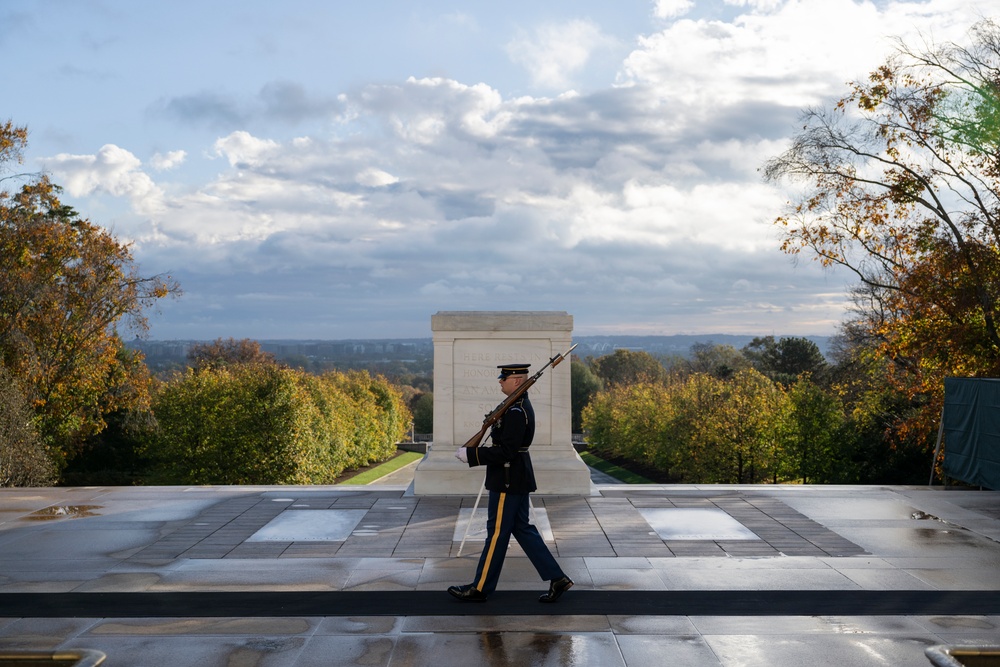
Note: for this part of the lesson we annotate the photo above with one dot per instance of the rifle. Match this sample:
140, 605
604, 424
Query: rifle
498, 412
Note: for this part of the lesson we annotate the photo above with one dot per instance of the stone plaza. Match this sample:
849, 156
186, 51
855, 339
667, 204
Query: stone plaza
759, 575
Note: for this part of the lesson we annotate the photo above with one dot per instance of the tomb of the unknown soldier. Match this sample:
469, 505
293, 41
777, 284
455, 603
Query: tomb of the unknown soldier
468, 347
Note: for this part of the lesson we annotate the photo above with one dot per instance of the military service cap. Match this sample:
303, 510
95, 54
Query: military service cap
506, 370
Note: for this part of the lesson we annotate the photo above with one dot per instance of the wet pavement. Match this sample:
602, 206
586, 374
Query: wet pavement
356, 575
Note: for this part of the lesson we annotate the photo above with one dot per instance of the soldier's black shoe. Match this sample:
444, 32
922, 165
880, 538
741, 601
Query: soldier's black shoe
467, 593
556, 588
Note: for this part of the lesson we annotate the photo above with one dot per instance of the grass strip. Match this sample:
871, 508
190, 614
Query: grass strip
619, 473
390, 466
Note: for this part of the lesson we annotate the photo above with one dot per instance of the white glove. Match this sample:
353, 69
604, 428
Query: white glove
462, 454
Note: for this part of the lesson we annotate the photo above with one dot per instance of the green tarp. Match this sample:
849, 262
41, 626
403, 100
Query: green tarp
972, 430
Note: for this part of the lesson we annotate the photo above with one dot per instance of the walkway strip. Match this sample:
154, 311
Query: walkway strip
508, 603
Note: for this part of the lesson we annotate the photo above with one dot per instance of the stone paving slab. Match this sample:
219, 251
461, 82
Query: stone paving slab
400, 526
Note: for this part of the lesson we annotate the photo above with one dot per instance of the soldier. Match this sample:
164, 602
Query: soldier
510, 479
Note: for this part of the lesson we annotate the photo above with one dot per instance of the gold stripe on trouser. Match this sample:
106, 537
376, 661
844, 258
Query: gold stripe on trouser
493, 543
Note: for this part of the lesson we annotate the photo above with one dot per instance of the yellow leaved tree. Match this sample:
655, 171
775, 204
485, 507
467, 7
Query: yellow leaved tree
902, 187
67, 289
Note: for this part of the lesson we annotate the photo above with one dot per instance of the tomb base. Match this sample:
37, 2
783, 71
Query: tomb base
557, 472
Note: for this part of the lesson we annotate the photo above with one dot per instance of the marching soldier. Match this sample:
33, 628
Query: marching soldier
510, 479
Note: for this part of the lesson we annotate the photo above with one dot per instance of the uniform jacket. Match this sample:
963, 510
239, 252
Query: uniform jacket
508, 464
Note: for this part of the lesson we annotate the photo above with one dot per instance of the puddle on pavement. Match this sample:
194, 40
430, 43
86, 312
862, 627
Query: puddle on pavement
695, 524
956, 536
527, 649
311, 526
63, 512
962, 622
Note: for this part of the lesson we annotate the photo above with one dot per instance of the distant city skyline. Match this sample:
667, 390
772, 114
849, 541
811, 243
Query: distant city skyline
318, 170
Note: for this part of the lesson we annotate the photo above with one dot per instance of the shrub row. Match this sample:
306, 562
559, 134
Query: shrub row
267, 424
702, 429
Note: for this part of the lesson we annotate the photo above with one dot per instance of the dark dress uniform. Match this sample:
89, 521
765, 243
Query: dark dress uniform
510, 479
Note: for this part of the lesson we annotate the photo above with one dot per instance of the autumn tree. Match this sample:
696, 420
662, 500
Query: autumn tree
785, 359
874, 441
693, 447
812, 433
901, 188
584, 383
748, 421
699, 429
721, 361
66, 287
23, 459
635, 421
628, 366
227, 352
422, 408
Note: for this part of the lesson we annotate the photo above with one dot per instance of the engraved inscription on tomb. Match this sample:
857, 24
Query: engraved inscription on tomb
476, 390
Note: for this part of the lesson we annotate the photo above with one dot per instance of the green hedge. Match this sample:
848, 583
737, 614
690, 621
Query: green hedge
702, 429
267, 424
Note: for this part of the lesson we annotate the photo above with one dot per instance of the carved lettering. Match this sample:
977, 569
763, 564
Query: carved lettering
472, 390
479, 372
518, 357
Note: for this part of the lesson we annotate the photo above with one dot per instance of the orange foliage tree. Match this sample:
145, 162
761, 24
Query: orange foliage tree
221, 353
901, 188
66, 285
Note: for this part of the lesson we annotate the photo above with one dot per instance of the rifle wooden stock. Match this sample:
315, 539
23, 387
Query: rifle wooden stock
498, 412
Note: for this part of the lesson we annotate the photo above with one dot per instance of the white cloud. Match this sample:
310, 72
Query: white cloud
240, 148
668, 9
759, 5
432, 194
444, 288
112, 170
796, 56
790, 52
171, 160
552, 54
665, 214
375, 178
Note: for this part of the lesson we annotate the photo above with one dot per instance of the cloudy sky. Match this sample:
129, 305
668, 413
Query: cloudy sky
332, 169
